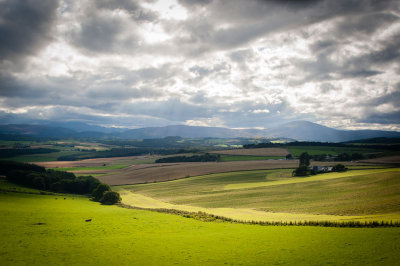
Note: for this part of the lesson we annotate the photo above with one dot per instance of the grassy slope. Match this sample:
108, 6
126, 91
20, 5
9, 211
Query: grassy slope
359, 192
118, 236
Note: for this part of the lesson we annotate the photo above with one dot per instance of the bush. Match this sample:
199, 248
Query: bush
99, 191
110, 198
339, 168
38, 183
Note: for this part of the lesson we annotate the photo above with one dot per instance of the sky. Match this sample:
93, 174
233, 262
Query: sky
224, 63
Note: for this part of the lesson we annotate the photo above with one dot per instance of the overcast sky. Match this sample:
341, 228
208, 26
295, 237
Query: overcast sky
229, 63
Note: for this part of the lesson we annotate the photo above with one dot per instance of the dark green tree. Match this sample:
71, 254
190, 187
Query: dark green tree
343, 157
38, 183
99, 191
110, 198
304, 159
302, 170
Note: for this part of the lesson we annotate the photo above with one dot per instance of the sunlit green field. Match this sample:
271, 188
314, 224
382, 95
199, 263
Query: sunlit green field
43, 230
231, 158
357, 194
315, 150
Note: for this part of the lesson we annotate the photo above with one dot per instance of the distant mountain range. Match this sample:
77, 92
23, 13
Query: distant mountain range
299, 130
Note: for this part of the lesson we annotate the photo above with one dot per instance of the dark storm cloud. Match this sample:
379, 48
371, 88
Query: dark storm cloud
327, 87
365, 24
382, 118
392, 98
365, 65
249, 20
11, 87
389, 53
99, 33
191, 3
155, 82
118, 91
131, 6
25, 26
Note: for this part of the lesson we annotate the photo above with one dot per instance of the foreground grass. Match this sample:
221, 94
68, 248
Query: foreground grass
40, 230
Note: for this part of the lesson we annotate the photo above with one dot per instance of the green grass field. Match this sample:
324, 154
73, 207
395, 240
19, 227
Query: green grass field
315, 150
43, 230
94, 168
46, 157
231, 158
354, 195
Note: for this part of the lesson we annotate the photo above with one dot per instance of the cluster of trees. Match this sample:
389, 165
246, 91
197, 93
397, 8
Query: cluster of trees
261, 145
340, 157
38, 177
304, 166
105, 195
195, 158
5, 153
121, 152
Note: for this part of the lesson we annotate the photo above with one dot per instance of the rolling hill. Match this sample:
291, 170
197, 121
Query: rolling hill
298, 130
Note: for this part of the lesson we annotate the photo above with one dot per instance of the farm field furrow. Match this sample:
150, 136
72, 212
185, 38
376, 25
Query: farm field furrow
255, 152
148, 173
353, 193
247, 214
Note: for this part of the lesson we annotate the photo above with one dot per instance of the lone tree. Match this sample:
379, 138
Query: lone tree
304, 162
99, 191
110, 198
304, 159
302, 170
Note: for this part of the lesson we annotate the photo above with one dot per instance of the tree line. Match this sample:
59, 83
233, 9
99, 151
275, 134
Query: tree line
304, 166
5, 153
122, 152
195, 158
40, 178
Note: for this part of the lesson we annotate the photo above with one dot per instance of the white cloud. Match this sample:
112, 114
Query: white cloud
215, 63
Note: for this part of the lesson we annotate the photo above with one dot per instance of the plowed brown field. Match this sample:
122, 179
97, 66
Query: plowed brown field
147, 173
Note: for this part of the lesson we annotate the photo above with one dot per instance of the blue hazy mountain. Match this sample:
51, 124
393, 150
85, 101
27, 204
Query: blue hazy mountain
299, 130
